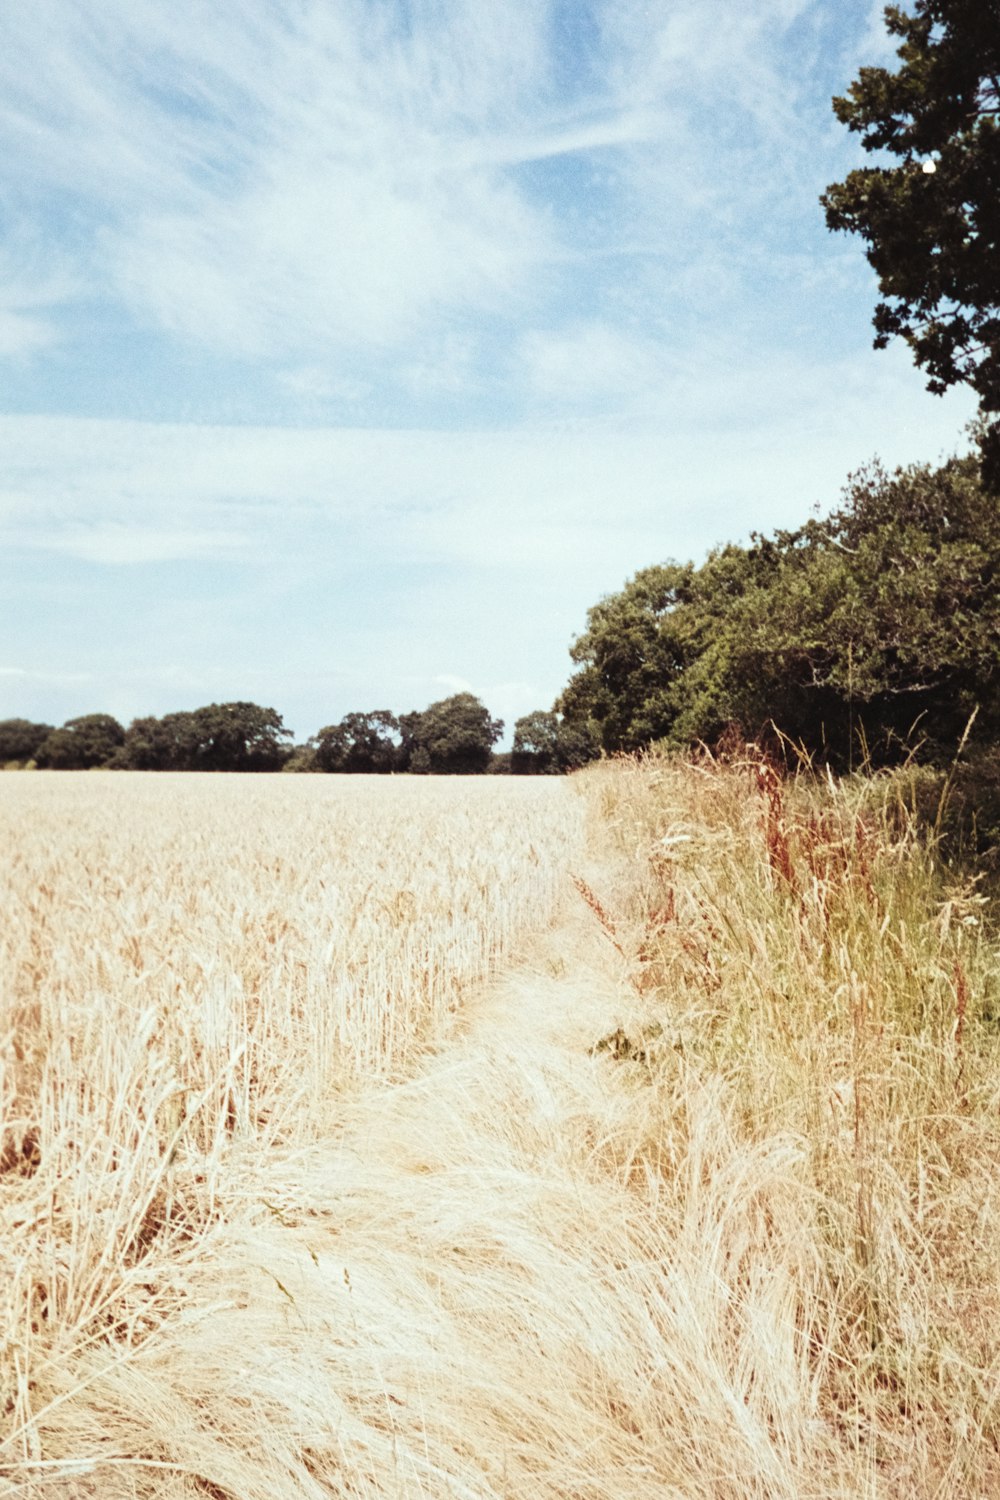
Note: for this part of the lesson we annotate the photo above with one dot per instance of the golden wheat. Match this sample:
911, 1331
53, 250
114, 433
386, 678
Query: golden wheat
195, 969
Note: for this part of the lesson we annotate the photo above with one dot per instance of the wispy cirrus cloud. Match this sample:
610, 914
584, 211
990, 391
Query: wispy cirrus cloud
35, 284
691, 449
266, 181
274, 183
596, 364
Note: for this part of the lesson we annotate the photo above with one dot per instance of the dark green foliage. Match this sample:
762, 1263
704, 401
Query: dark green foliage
933, 237
167, 744
960, 806
20, 738
218, 737
897, 611
450, 738
240, 737
454, 736
370, 743
858, 636
535, 739
655, 659
81, 744
545, 744
301, 758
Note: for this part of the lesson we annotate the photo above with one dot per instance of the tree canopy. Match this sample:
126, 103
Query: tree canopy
81, 744
218, 737
453, 737
873, 627
20, 738
361, 742
546, 744
932, 221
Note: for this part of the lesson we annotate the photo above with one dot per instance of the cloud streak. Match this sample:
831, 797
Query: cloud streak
277, 183
266, 182
779, 435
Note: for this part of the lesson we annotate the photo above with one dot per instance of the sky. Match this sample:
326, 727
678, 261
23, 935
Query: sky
350, 350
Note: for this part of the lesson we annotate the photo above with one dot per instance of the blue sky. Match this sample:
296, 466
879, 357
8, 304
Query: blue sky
351, 349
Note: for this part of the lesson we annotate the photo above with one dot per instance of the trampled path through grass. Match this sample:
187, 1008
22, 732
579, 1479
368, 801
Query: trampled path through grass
441, 1301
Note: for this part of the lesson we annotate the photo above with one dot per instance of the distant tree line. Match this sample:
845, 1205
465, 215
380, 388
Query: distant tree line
858, 637
455, 736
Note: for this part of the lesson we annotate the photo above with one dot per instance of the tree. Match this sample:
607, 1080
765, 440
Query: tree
367, 743
167, 744
81, 744
932, 222
545, 744
240, 737
452, 737
302, 758
879, 624
893, 609
653, 659
535, 744
217, 737
20, 738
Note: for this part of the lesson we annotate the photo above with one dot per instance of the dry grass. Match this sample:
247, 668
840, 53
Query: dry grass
696, 1200
801, 958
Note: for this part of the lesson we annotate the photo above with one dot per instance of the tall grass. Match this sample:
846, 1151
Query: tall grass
803, 957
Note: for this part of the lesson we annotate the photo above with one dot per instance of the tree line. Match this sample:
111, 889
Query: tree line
455, 736
858, 636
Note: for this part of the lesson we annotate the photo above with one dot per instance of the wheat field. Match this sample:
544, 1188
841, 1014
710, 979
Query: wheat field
197, 971
627, 1136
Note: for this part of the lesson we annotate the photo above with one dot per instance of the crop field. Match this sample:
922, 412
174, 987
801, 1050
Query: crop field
201, 969
632, 1135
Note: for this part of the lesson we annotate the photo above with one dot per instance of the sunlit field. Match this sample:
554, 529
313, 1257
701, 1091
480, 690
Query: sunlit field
198, 969
261, 939
632, 1135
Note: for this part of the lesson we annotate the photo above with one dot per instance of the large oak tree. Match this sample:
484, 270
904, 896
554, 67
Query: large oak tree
931, 218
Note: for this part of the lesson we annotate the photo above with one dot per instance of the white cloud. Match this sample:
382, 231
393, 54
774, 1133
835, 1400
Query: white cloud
316, 384
446, 366
121, 544
21, 334
270, 181
687, 49
621, 125
728, 446
318, 186
34, 283
328, 253
61, 678
734, 87
875, 48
